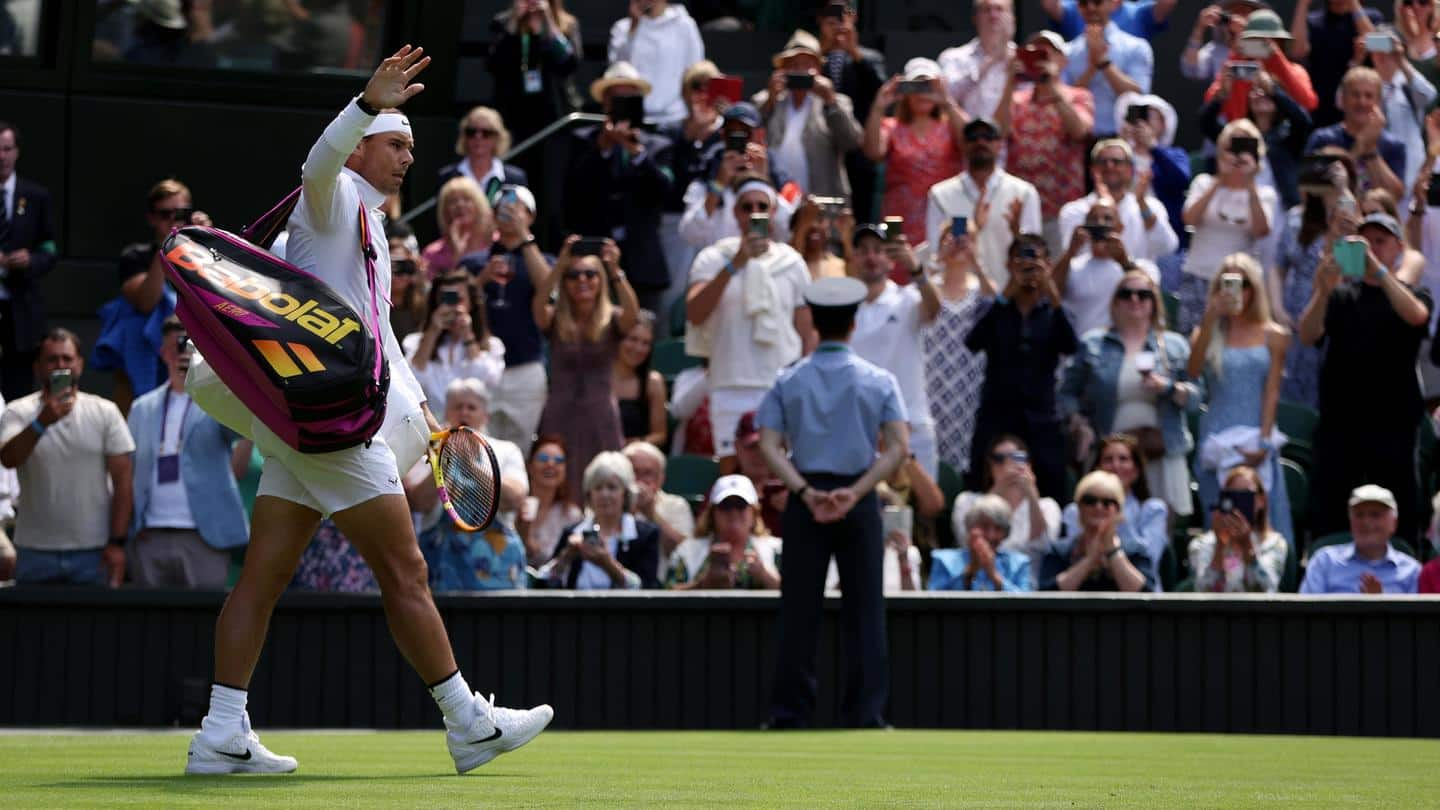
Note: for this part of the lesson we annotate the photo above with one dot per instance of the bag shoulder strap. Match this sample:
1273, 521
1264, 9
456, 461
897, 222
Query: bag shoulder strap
368, 251
263, 231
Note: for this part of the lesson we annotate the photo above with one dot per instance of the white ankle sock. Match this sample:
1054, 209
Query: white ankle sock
455, 699
227, 712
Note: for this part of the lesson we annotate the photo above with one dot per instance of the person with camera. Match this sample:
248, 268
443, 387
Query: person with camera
822, 228
1405, 92
584, 330
710, 199
810, 124
1098, 558
1370, 314
1133, 378
454, 342
1363, 131
1284, 126
732, 548
1095, 261
409, 288
619, 178
1240, 553
1024, 334
1260, 50
1203, 60
72, 452
187, 514
1369, 563
1033, 520
610, 548
1325, 40
857, 73
1108, 62
981, 563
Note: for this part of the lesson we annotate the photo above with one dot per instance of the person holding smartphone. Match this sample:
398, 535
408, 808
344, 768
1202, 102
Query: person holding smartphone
1406, 95
1363, 131
1240, 553
455, 341
1260, 48
811, 125
1033, 520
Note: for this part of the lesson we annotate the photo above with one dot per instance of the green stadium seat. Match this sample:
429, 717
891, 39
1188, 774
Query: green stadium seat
1172, 309
951, 485
1186, 585
1297, 486
691, 477
677, 318
1298, 423
669, 358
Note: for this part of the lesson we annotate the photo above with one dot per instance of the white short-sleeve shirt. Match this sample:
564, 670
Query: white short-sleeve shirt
736, 359
887, 333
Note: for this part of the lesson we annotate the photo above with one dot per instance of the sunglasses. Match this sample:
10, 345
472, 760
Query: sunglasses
1096, 500
699, 85
484, 132
403, 267
588, 275
754, 208
1129, 294
176, 214
546, 458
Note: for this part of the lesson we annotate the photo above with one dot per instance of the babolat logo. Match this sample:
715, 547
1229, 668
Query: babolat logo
274, 353
265, 292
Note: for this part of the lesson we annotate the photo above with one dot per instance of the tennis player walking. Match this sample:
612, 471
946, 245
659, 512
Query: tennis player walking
362, 156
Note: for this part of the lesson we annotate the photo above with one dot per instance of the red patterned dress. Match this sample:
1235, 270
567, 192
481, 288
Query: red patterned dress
912, 166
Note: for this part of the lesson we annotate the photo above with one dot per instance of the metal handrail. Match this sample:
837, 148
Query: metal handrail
517, 150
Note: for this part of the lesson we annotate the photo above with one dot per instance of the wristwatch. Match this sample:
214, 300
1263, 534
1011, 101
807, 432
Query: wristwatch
1110, 555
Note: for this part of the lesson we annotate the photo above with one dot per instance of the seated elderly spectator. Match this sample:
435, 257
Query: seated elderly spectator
408, 287
732, 548
1023, 334
1097, 558
1142, 18
480, 141
1283, 124
1146, 230
1225, 21
585, 330
610, 548
1369, 563
1047, 126
857, 72
1146, 520
670, 513
1108, 62
455, 341
1379, 156
472, 561
467, 226
187, 514
809, 122
535, 47
661, 40
75, 483
981, 564
746, 313
1148, 123
618, 179
1240, 553
919, 146
639, 389
1033, 520
1229, 213
1094, 263
750, 462
129, 342
1325, 41
1262, 43
549, 509
710, 198
996, 204
1133, 378
512, 273
1370, 326
975, 72
813, 226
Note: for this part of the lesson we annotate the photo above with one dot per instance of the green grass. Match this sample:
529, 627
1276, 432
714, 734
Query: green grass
870, 769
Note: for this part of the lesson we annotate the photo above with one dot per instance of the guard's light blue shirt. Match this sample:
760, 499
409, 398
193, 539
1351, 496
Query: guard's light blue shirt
830, 407
1337, 569
1130, 54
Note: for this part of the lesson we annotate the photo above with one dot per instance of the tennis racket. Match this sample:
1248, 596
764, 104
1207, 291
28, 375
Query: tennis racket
467, 477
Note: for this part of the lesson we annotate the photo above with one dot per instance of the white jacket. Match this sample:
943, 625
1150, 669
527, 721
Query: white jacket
661, 49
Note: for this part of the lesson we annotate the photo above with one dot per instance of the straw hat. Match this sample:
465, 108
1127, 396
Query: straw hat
619, 73
800, 42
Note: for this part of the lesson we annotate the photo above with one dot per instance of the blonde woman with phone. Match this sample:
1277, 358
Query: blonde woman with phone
1239, 348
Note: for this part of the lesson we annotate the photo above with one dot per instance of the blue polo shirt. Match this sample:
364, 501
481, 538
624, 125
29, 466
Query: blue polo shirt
1337, 569
1129, 53
830, 406
1135, 17
947, 571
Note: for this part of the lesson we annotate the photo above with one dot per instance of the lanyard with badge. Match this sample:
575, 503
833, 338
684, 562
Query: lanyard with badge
168, 465
529, 77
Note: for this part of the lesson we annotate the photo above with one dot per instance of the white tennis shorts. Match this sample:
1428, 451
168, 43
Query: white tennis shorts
727, 406
334, 482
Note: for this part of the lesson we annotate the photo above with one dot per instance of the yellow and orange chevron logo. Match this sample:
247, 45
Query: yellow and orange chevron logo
274, 353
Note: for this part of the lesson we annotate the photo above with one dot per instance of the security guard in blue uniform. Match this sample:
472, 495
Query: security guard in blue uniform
831, 409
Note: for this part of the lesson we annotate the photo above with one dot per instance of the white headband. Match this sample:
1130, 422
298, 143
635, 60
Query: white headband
389, 122
756, 185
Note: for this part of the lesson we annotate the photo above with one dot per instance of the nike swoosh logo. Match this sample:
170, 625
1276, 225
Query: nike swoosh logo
243, 756
494, 736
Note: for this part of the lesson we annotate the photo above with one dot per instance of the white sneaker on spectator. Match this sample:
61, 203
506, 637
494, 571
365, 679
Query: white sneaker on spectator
241, 753
494, 731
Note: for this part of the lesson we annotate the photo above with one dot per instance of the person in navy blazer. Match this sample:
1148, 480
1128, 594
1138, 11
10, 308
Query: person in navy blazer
480, 140
27, 252
188, 513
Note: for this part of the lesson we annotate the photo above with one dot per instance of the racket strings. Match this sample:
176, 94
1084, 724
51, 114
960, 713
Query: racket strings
470, 481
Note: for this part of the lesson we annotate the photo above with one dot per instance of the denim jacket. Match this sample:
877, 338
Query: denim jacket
1090, 382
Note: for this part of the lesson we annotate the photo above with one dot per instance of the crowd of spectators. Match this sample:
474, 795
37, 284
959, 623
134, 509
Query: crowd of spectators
1118, 360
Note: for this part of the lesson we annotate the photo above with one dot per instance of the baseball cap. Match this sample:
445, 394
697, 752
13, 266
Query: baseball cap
1372, 493
525, 195
1053, 39
747, 433
744, 112
734, 486
1382, 220
866, 229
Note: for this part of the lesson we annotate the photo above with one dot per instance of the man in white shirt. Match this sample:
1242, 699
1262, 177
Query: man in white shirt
1146, 225
746, 311
662, 41
362, 156
888, 325
976, 72
1094, 262
72, 451
996, 204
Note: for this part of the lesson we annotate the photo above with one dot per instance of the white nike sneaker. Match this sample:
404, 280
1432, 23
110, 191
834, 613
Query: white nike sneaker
493, 732
242, 753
